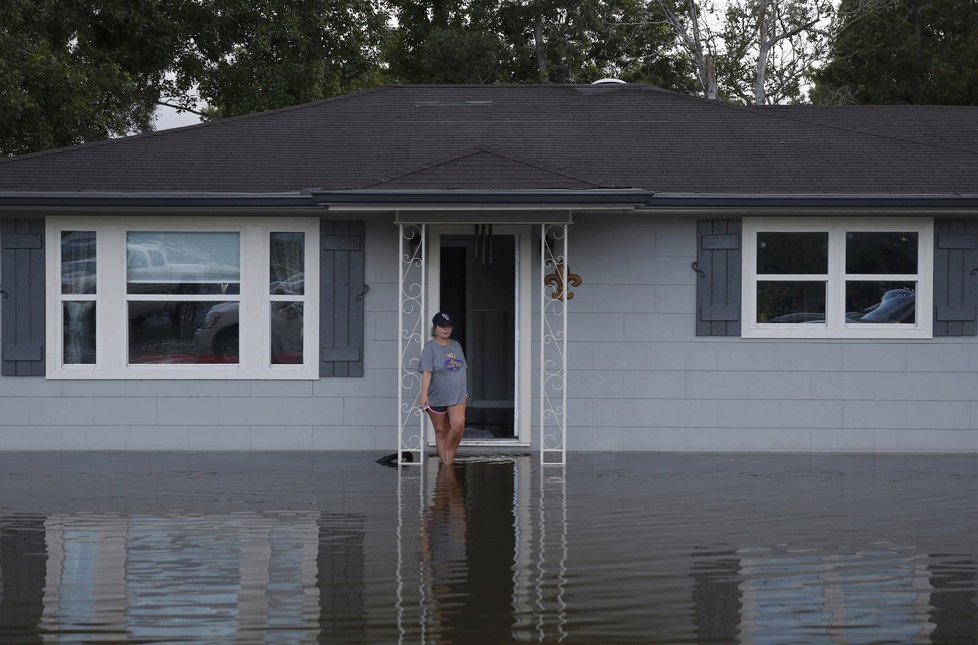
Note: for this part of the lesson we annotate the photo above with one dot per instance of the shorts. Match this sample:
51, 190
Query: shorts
438, 409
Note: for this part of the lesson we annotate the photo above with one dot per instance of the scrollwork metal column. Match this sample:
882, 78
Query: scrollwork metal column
553, 344
410, 340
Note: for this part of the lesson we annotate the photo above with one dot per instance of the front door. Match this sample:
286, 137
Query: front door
477, 275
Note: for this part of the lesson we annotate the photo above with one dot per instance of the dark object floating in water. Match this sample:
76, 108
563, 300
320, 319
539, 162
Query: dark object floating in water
391, 459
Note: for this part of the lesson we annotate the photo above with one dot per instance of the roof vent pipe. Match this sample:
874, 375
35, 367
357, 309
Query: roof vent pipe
605, 81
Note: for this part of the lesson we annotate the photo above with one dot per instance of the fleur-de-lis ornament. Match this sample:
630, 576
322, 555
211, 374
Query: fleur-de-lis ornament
556, 280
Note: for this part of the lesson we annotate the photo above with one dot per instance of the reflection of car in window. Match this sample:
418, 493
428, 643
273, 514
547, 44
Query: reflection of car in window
218, 336
896, 306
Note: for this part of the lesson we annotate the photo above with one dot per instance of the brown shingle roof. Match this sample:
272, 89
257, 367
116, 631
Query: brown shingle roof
532, 136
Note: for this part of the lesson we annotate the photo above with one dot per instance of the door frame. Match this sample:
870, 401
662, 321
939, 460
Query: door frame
523, 333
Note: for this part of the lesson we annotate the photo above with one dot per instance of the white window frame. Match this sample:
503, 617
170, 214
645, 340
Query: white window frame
111, 353
835, 325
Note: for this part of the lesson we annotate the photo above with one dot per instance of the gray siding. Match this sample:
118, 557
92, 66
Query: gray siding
336, 413
640, 378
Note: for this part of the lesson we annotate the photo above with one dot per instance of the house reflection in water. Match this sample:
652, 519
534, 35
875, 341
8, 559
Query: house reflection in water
297, 575
884, 593
492, 553
643, 548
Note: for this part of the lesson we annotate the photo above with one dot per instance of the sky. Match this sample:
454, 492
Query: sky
167, 118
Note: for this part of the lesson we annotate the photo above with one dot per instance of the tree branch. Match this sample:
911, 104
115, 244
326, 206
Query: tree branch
181, 108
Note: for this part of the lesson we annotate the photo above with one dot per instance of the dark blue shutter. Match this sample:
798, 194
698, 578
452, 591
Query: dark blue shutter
341, 295
955, 281
22, 300
718, 288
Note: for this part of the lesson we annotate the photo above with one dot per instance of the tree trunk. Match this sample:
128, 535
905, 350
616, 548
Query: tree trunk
917, 93
764, 28
541, 48
439, 14
704, 63
711, 78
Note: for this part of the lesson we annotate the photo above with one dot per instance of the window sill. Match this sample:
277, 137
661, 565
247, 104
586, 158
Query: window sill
208, 372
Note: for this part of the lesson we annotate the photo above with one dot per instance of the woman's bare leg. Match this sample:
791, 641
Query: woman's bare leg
442, 429
456, 428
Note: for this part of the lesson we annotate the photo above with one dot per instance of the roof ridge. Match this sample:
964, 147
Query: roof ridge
760, 110
539, 165
215, 123
469, 152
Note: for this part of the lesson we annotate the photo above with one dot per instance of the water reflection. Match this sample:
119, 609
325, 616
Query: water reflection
443, 548
332, 548
489, 569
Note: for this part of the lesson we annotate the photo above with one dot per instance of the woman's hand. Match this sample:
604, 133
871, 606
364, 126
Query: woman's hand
423, 401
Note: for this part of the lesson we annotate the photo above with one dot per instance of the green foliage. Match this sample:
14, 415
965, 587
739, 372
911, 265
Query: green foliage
252, 55
75, 71
557, 41
911, 51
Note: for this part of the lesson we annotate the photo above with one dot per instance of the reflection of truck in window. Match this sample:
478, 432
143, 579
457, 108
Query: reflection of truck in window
150, 271
147, 264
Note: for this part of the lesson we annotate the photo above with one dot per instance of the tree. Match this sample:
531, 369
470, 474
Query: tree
76, 71
445, 41
771, 47
754, 51
903, 51
245, 56
533, 41
694, 37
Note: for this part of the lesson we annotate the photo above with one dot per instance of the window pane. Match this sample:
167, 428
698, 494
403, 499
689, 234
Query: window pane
792, 253
287, 318
790, 302
183, 262
79, 333
183, 332
881, 252
881, 302
77, 262
287, 264
216, 337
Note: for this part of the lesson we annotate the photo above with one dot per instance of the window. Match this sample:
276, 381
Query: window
195, 298
854, 278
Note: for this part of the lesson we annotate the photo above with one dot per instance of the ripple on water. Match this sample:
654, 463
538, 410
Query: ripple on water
617, 548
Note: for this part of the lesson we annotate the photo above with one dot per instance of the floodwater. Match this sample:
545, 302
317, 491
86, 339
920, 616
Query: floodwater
332, 547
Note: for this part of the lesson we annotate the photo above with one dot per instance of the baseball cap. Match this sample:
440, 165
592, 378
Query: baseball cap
441, 319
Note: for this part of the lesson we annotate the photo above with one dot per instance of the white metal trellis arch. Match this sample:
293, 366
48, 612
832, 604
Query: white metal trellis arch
412, 308
553, 344
410, 340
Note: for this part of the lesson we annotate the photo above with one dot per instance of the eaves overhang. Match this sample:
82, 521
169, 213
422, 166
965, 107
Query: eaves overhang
160, 200
610, 199
332, 199
887, 201
604, 198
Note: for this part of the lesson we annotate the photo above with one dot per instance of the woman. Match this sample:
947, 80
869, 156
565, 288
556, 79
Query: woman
443, 389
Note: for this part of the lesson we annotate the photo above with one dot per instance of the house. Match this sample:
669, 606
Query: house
630, 268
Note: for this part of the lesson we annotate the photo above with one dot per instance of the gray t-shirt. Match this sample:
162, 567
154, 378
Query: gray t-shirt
447, 366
